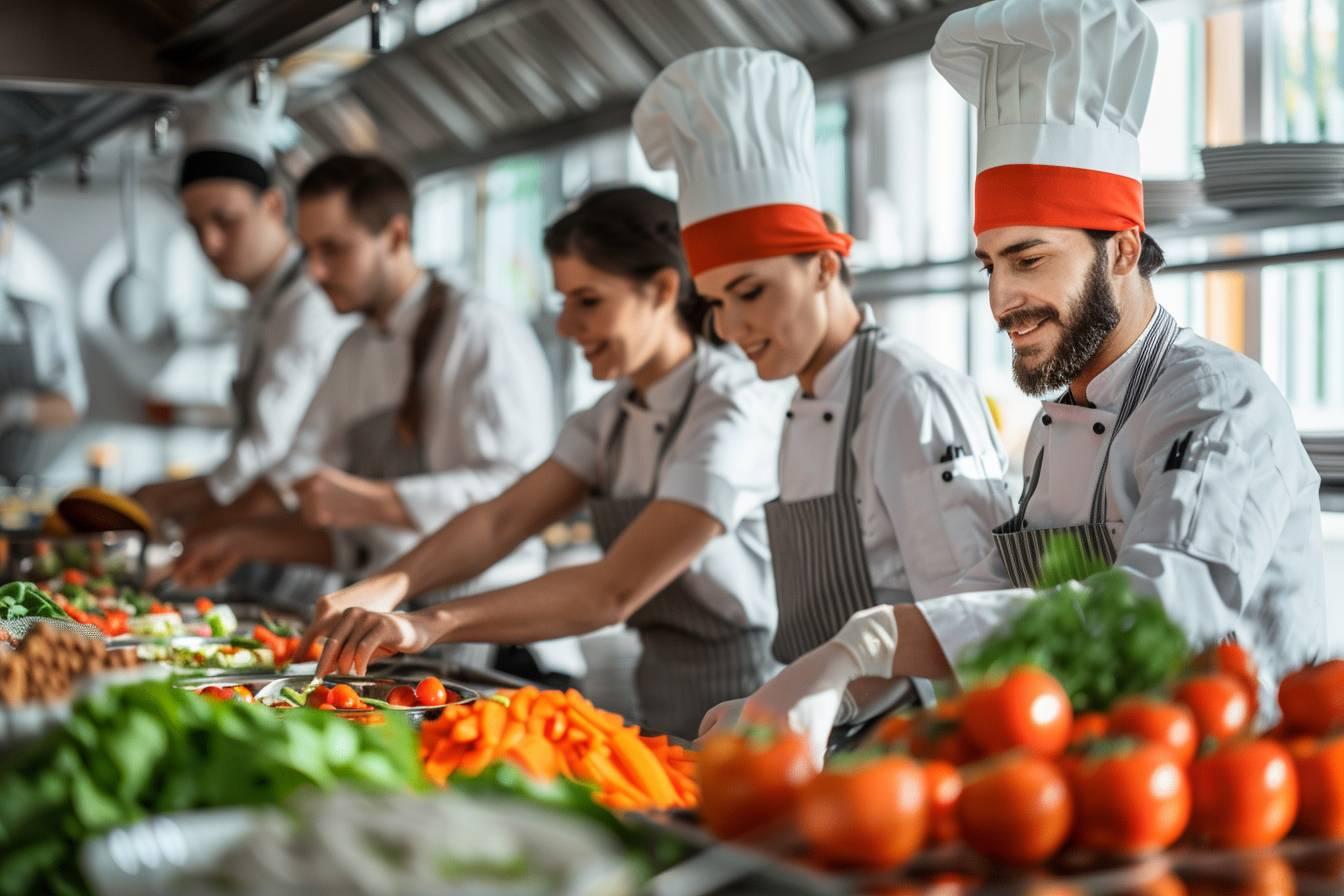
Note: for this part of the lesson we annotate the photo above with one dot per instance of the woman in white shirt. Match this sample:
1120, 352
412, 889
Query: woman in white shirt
890, 470
675, 464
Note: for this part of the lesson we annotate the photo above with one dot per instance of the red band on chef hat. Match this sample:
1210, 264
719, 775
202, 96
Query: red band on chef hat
1056, 196
764, 231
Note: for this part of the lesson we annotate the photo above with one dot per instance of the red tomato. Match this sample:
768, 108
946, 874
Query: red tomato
343, 696
326, 706
1244, 794
204, 605
319, 695
942, 781
871, 815
156, 608
431, 692
1170, 724
1320, 777
938, 734
216, 693
1088, 726
118, 622
1312, 699
1015, 809
1219, 704
75, 577
1132, 799
1028, 709
751, 779
894, 729
264, 635
402, 695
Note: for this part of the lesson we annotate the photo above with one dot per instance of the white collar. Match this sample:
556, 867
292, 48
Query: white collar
1107, 389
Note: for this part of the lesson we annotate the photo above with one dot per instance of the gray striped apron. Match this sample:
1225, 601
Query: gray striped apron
692, 659
1021, 547
19, 445
816, 545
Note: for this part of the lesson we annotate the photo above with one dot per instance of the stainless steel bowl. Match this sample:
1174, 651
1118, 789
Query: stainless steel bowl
377, 687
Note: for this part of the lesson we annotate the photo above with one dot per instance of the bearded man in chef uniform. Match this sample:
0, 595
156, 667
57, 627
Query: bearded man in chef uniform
1173, 457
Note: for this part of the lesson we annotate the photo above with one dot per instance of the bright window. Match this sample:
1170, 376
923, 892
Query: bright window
511, 263
1302, 323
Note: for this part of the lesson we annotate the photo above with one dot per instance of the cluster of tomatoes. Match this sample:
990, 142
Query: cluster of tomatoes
284, 647
1009, 771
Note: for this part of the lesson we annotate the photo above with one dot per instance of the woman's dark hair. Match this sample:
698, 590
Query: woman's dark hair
1151, 256
834, 225
633, 233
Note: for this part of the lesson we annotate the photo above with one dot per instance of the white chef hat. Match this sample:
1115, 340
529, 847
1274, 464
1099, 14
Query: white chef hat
1062, 87
228, 137
737, 125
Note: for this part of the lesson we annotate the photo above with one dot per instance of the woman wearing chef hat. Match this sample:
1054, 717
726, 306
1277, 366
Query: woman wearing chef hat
674, 464
1166, 454
890, 471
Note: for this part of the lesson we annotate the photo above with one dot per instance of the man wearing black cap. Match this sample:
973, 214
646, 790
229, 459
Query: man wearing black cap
290, 331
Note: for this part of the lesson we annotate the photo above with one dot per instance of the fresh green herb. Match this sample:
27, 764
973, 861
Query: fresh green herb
1100, 639
21, 599
152, 748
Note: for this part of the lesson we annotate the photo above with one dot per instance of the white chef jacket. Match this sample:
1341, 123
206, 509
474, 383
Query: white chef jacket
288, 340
488, 421
721, 463
1230, 541
56, 362
921, 533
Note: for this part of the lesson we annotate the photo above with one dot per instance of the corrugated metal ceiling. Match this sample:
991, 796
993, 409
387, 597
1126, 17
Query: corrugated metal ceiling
517, 74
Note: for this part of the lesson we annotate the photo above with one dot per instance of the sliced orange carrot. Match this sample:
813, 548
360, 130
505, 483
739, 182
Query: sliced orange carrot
520, 706
644, 769
493, 716
557, 726
514, 731
467, 730
477, 758
536, 756
606, 776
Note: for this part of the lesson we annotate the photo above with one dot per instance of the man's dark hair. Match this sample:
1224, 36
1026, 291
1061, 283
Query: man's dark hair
376, 191
1151, 257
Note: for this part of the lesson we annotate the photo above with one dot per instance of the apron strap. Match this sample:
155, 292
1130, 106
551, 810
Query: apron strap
1152, 358
410, 417
846, 468
615, 440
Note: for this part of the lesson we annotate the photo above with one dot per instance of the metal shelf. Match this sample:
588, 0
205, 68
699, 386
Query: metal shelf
1239, 241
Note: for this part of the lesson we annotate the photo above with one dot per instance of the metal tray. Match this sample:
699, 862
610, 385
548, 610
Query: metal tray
377, 687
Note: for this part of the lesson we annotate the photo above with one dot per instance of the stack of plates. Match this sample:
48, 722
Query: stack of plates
1274, 175
1327, 453
1165, 201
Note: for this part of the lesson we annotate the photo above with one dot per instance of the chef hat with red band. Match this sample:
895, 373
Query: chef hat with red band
1061, 88
737, 124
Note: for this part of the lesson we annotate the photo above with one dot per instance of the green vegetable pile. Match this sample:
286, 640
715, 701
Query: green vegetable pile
20, 599
1100, 639
152, 748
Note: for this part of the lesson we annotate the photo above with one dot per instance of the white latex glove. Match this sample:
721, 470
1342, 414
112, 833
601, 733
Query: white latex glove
809, 693
18, 409
722, 718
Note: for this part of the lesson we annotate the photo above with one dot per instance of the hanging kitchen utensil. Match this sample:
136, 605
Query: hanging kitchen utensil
134, 300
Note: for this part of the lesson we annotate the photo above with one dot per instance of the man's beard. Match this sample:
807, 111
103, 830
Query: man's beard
1095, 315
